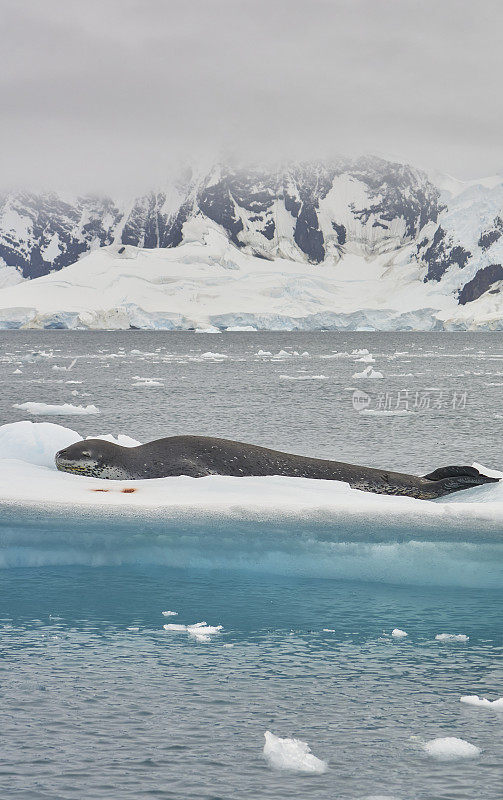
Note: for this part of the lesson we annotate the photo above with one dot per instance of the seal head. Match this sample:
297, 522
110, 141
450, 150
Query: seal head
95, 458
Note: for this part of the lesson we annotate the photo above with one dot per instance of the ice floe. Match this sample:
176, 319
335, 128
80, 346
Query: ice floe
451, 637
450, 748
368, 372
397, 633
481, 702
303, 377
377, 412
200, 631
293, 755
312, 526
169, 613
50, 410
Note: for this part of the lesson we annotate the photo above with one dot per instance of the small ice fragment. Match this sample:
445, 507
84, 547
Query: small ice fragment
17, 372
132, 628
368, 372
291, 754
228, 645
46, 409
450, 748
451, 637
264, 353
398, 634
328, 630
482, 702
169, 613
172, 627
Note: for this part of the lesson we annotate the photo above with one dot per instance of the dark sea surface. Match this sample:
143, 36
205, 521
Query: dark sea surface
98, 702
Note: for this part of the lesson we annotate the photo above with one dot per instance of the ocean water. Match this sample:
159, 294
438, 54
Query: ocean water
99, 701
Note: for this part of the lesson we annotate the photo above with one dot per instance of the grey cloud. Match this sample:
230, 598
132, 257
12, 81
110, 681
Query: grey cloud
112, 94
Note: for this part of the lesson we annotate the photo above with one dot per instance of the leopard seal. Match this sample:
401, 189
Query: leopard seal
198, 456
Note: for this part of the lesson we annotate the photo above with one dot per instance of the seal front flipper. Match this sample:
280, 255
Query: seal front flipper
453, 479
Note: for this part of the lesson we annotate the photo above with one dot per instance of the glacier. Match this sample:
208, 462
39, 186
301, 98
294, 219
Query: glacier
362, 244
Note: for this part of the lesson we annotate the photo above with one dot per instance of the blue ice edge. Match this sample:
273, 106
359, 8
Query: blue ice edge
405, 550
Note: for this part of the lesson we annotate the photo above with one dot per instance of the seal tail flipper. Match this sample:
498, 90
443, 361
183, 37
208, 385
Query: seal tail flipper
453, 479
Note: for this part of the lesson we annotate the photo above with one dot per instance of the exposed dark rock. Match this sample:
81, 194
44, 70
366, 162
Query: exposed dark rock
441, 254
482, 281
488, 237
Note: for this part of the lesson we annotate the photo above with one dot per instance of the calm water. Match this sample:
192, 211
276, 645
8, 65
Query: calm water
243, 396
93, 709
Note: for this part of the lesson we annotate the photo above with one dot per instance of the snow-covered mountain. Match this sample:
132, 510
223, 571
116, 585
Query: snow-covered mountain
350, 243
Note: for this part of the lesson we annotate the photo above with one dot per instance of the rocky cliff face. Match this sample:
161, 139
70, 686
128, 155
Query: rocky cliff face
311, 212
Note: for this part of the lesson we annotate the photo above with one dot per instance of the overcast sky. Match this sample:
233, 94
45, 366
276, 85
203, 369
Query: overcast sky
109, 94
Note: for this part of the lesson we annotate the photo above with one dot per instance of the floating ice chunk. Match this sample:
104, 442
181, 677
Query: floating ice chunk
362, 352
367, 359
36, 355
398, 634
17, 372
380, 797
48, 410
228, 645
481, 702
291, 754
328, 630
368, 372
133, 628
213, 356
200, 631
377, 412
211, 329
450, 748
282, 354
303, 377
145, 382
169, 613
122, 439
451, 637
264, 353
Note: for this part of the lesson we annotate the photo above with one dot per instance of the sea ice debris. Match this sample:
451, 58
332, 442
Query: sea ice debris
482, 702
450, 748
451, 637
291, 754
368, 372
48, 410
398, 634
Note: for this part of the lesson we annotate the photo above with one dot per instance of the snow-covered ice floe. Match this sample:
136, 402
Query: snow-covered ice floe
450, 748
482, 702
200, 631
292, 755
51, 410
274, 524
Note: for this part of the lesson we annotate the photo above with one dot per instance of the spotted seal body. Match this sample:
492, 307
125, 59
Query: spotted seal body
197, 456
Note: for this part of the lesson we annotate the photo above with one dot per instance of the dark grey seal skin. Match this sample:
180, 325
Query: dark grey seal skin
197, 456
